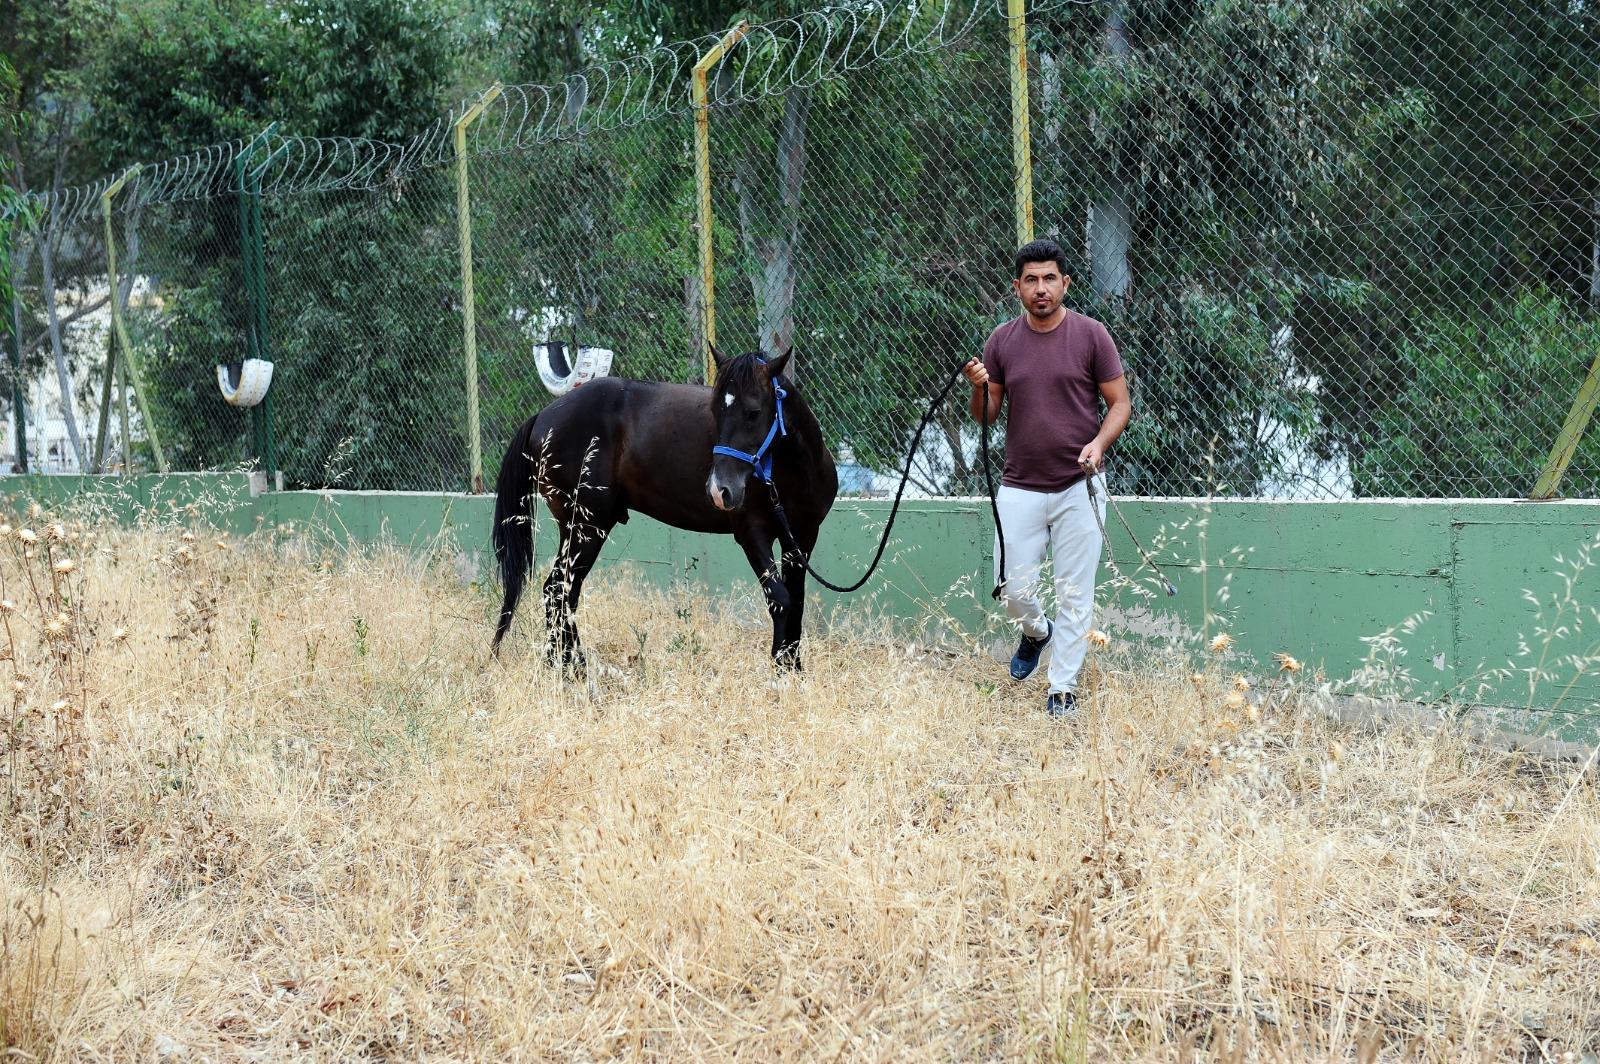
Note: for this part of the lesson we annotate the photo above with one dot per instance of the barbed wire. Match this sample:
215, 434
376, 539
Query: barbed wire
770, 59
1337, 305
287, 165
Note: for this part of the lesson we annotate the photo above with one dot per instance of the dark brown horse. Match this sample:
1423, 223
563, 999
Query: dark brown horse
616, 446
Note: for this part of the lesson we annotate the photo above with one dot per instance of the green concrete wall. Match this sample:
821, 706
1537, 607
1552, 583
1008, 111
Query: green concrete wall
1491, 588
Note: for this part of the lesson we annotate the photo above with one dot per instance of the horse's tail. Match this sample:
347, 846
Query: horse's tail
514, 494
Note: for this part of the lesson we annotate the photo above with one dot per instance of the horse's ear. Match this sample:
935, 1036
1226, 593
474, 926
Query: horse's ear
776, 364
716, 357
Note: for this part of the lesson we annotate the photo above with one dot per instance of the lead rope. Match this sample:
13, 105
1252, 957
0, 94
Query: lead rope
787, 534
994, 503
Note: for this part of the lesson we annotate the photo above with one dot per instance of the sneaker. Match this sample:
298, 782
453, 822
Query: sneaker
1026, 658
1061, 705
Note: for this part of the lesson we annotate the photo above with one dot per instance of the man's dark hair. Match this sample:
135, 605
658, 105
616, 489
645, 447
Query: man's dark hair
1041, 251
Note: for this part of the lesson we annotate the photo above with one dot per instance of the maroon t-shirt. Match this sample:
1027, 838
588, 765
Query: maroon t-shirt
1052, 383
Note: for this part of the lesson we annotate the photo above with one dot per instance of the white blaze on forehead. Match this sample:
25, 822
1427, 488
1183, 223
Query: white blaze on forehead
727, 398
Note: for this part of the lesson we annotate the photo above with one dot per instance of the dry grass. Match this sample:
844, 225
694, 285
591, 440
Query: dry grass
295, 811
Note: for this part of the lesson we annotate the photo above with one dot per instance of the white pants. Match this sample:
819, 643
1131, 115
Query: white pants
1061, 520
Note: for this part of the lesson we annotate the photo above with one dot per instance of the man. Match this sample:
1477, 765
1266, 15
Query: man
1054, 365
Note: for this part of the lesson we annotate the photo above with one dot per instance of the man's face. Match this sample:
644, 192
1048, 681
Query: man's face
1041, 288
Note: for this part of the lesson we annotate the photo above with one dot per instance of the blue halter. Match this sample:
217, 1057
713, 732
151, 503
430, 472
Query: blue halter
761, 461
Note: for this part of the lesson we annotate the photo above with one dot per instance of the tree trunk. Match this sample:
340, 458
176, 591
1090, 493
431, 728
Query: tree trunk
1110, 223
1594, 260
693, 300
19, 418
585, 301
773, 247
47, 253
14, 371
953, 422
83, 310
1050, 126
63, 377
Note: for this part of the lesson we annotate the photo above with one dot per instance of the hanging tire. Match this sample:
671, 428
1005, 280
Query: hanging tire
560, 376
245, 383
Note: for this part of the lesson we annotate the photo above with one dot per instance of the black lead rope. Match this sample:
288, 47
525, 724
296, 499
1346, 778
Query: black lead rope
994, 504
787, 534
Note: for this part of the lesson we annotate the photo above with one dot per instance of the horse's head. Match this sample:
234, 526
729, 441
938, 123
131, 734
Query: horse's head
746, 406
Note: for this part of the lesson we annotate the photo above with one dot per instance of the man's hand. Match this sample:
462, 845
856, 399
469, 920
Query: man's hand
1092, 456
975, 373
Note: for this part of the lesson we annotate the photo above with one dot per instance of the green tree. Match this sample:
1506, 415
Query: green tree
47, 42
1467, 188
1459, 421
354, 309
11, 206
1207, 125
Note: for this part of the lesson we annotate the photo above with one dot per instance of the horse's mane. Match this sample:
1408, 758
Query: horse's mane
739, 373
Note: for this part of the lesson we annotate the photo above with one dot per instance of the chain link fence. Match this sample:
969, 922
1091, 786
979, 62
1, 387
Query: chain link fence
1347, 250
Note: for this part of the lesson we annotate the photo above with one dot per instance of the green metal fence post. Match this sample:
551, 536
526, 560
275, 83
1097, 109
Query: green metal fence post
252, 348
120, 329
468, 315
253, 258
259, 231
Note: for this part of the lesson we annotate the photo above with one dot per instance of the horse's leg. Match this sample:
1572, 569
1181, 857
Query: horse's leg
587, 511
794, 582
757, 544
582, 549
560, 631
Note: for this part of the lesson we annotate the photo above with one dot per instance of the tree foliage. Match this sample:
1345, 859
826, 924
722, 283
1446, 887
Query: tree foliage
1347, 233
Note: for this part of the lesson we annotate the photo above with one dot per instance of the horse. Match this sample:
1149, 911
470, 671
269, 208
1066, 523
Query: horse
732, 459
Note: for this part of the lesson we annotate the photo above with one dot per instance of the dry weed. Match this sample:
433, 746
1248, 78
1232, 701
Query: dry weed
271, 797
